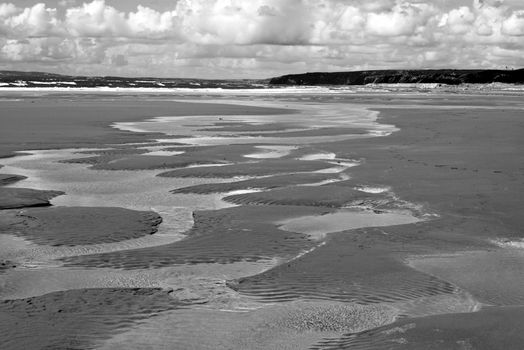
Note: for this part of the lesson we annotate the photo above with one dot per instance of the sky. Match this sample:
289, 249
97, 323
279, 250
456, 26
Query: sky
257, 38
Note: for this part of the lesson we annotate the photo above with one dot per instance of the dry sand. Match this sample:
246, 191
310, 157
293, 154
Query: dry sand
454, 164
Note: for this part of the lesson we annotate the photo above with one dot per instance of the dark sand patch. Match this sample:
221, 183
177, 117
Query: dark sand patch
150, 162
219, 236
104, 156
490, 328
268, 167
12, 198
331, 196
265, 182
247, 127
77, 319
191, 156
118, 150
6, 265
314, 132
345, 269
7, 179
82, 121
72, 226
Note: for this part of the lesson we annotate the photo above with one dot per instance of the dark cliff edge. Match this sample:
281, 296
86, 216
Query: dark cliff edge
440, 76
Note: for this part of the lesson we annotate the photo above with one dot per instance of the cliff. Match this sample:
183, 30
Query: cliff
439, 76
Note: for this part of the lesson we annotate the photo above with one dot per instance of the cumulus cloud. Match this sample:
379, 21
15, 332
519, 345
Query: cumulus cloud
402, 19
514, 25
261, 37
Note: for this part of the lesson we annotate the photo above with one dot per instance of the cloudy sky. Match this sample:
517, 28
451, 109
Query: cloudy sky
257, 38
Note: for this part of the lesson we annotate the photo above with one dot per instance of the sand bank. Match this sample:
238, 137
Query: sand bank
11, 198
267, 182
7, 179
72, 226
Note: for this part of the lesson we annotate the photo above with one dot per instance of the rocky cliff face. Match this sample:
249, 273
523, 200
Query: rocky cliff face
447, 76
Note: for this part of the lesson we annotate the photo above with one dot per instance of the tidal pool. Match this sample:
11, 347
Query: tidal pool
318, 226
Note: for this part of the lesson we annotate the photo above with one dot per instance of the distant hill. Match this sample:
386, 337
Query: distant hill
437, 76
41, 79
18, 79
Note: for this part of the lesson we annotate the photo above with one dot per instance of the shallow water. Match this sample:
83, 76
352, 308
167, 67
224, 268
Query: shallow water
317, 226
318, 156
494, 277
372, 189
136, 190
163, 153
342, 116
275, 151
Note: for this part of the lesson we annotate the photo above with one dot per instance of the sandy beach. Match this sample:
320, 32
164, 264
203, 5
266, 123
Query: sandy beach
286, 221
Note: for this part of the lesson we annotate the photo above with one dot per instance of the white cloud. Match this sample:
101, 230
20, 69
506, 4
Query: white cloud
31, 21
514, 25
261, 37
458, 21
402, 19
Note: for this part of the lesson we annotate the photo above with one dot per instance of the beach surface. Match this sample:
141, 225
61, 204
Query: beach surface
286, 221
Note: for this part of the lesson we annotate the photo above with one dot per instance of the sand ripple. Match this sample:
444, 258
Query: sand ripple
269, 167
259, 182
220, 236
493, 328
73, 226
77, 319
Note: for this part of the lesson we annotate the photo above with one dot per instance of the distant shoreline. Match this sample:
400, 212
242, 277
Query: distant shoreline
448, 77
492, 88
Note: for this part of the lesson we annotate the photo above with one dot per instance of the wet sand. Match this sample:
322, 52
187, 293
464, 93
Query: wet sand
11, 198
188, 157
7, 179
71, 226
69, 120
77, 319
223, 236
491, 328
444, 172
268, 182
